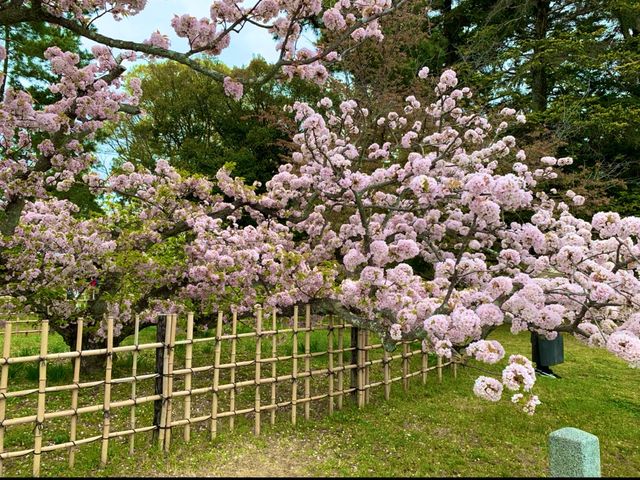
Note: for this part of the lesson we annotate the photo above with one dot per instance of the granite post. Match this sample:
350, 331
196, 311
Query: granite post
573, 453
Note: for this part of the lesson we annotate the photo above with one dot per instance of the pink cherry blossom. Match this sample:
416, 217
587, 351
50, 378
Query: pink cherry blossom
488, 388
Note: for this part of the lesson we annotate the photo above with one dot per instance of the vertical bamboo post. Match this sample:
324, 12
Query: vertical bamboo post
232, 374
331, 374
294, 368
106, 423
188, 358
367, 391
355, 361
439, 367
274, 354
165, 373
172, 351
4, 381
455, 368
360, 368
387, 383
216, 379
307, 360
42, 384
134, 384
75, 393
258, 356
405, 366
341, 364
425, 363
161, 330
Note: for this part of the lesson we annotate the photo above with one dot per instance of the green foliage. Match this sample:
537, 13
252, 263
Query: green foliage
27, 69
572, 66
26, 66
80, 195
191, 122
575, 66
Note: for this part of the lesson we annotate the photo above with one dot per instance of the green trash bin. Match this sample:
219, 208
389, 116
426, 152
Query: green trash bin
545, 352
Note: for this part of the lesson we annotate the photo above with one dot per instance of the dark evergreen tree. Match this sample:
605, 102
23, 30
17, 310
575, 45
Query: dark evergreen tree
573, 66
189, 121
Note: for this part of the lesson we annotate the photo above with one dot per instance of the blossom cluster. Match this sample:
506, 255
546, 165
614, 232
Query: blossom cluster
43, 148
445, 205
284, 19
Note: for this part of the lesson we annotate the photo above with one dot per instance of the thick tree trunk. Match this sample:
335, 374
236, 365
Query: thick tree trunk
539, 71
451, 28
11, 216
94, 364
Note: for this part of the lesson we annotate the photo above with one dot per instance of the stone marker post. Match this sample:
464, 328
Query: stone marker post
573, 453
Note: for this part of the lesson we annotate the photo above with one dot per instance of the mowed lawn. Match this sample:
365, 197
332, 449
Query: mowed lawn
432, 430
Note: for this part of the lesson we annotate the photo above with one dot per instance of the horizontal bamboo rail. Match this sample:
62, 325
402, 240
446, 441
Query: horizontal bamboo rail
280, 368
28, 326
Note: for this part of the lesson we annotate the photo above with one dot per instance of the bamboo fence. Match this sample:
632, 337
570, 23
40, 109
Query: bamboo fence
22, 326
277, 375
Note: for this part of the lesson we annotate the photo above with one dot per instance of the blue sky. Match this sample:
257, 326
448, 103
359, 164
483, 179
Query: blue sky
250, 42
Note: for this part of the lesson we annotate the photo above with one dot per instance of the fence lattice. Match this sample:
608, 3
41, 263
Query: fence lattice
279, 369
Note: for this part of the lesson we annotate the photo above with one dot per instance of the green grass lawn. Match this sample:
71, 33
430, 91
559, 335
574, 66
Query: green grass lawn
432, 430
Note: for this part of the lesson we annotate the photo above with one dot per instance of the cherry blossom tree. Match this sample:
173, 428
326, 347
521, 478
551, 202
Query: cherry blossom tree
418, 236
501, 250
47, 252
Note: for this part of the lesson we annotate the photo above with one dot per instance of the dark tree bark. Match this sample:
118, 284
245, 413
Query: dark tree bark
354, 361
157, 405
451, 28
539, 71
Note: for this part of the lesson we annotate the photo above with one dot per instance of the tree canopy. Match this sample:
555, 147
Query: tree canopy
572, 66
425, 220
190, 121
